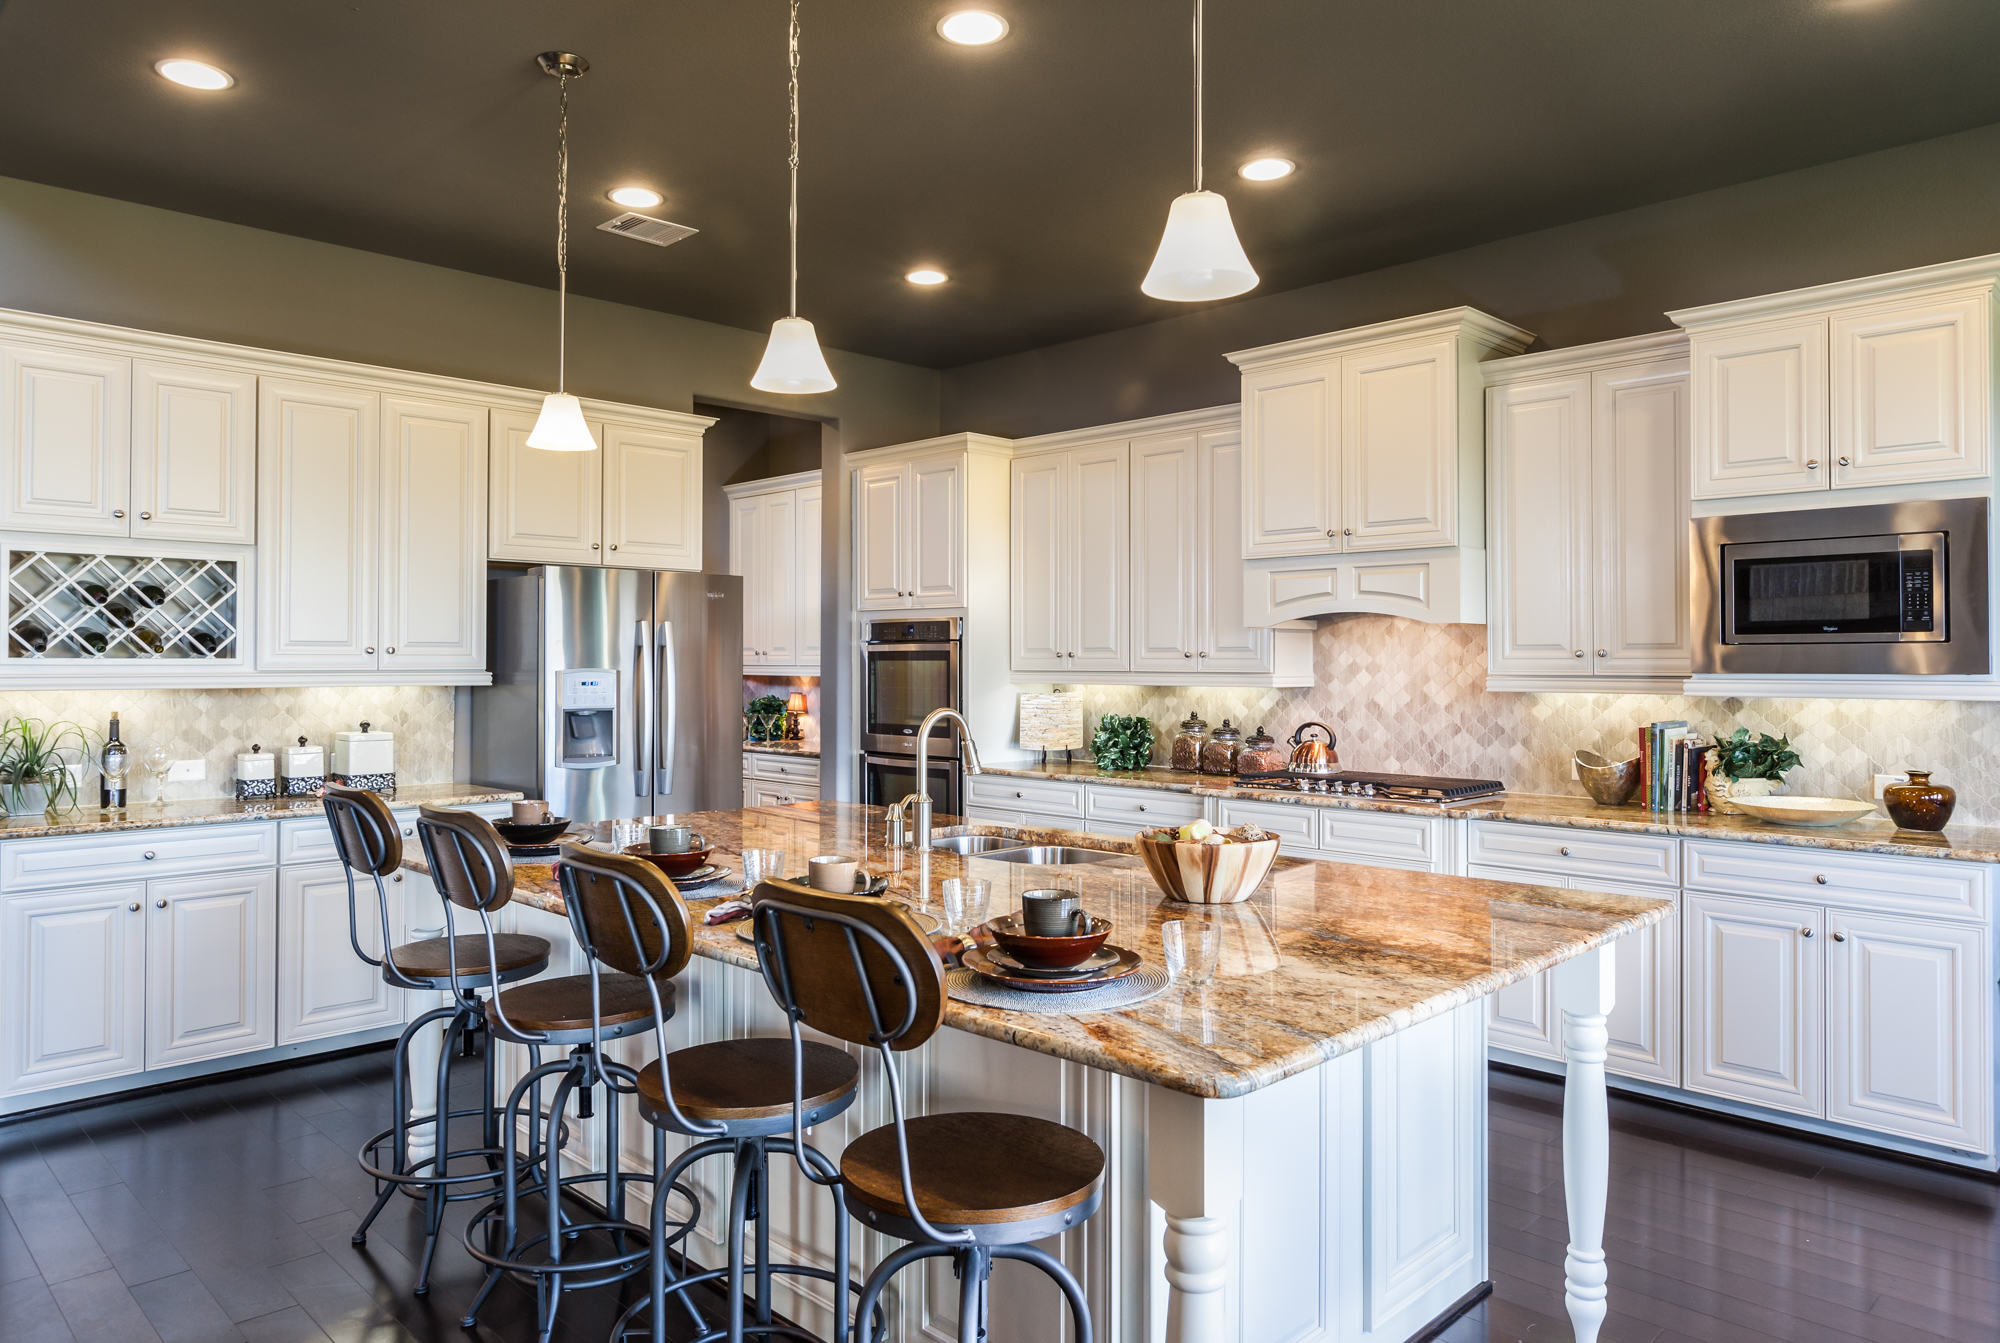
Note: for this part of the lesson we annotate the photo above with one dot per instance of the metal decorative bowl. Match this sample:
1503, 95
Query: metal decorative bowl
1610, 783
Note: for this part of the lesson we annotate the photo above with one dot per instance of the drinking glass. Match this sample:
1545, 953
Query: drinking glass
762, 865
158, 760
964, 902
1192, 950
624, 834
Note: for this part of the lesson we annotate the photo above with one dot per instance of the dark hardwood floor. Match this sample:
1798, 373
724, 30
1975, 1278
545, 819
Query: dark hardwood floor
223, 1213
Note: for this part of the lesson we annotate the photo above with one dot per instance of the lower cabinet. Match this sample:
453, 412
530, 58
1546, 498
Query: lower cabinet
74, 971
323, 987
211, 966
779, 780
1754, 1001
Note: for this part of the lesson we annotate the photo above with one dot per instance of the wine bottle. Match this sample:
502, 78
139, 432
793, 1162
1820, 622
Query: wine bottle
33, 637
96, 593
203, 641
150, 639
118, 613
111, 767
94, 640
150, 594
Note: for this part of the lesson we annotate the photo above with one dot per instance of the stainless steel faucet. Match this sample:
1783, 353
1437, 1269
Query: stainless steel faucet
900, 832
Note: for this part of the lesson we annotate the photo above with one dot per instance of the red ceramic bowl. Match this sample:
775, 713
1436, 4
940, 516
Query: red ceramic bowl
673, 864
1047, 953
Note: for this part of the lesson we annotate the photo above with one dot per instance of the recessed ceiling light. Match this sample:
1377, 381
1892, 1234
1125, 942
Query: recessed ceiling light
637, 198
972, 27
194, 74
926, 277
1267, 170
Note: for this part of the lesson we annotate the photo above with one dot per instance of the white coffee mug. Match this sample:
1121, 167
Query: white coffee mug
832, 873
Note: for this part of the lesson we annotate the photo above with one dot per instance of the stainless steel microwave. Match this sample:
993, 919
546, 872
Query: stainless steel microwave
1879, 590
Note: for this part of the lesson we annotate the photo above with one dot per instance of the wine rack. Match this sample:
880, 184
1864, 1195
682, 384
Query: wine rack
69, 606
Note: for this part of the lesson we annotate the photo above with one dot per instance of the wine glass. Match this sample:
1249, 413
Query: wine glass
158, 760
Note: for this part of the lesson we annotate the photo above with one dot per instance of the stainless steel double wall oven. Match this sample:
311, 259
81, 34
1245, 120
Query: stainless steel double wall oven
910, 667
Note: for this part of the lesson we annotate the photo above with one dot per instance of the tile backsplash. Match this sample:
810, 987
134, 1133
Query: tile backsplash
216, 724
1410, 697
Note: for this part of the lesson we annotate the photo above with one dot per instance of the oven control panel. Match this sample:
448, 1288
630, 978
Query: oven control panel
912, 631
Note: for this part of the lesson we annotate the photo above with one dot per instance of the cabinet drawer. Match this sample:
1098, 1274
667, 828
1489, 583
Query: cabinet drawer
1382, 837
1045, 797
1139, 807
1849, 880
136, 855
1296, 827
787, 767
1574, 853
308, 839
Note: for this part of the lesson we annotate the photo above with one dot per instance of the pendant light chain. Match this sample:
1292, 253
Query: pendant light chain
1197, 95
562, 227
794, 160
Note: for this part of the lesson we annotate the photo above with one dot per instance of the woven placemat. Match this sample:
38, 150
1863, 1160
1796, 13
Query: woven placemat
1140, 986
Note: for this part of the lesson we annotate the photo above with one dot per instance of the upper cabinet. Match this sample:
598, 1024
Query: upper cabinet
1882, 381
1589, 518
774, 540
67, 415
652, 498
635, 503
1071, 558
194, 453
914, 540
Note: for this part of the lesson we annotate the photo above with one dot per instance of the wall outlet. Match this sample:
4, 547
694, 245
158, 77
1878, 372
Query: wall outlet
187, 771
1882, 781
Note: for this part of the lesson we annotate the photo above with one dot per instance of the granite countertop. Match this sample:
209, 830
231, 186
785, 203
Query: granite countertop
219, 810
781, 748
1323, 959
1873, 834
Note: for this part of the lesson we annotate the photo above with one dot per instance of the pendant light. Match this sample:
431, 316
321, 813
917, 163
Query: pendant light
792, 361
1199, 256
560, 426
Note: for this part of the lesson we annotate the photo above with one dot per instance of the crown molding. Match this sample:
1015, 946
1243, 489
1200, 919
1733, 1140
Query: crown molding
1482, 328
1653, 347
1978, 271
1210, 417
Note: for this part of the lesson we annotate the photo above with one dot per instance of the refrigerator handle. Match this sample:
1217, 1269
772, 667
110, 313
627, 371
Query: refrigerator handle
669, 708
642, 702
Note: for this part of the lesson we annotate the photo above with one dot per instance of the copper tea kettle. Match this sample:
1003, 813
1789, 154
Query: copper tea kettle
1314, 757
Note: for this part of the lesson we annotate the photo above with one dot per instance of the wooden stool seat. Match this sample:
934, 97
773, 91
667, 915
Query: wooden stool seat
432, 958
971, 1169
748, 1079
559, 1006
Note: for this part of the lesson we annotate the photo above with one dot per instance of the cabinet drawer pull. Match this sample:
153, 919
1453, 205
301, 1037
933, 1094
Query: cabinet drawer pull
1821, 878
1142, 806
149, 855
134, 906
159, 904
1840, 937
1805, 932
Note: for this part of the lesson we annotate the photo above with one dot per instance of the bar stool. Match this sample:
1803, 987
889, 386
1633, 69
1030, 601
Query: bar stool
366, 838
738, 1096
976, 1187
581, 1012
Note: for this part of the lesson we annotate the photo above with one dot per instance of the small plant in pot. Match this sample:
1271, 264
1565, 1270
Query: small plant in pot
35, 774
1740, 766
1122, 742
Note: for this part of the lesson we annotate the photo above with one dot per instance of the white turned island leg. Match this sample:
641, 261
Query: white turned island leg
1584, 992
425, 1049
1194, 1172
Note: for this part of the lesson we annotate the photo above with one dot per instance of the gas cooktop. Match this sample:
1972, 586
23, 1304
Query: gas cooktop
1390, 787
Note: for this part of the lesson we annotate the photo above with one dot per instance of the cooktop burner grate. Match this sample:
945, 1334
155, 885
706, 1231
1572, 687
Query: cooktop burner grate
1393, 787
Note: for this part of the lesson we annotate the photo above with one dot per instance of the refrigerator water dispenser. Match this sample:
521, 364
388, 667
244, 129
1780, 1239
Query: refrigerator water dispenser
589, 703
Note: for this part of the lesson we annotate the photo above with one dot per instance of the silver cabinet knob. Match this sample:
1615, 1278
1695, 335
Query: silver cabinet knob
145, 517
1845, 462
1601, 653
1812, 463
159, 904
397, 877
1565, 851
1821, 879
1840, 937
1187, 655
1347, 531
614, 545
1201, 655
134, 906
1805, 932
149, 855
388, 650
1017, 795
1579, 652
117, 512
1329, 531
368, 650
409, 830
1142, 806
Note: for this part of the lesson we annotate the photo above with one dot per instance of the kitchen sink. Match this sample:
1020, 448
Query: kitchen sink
1051, 855
975, 843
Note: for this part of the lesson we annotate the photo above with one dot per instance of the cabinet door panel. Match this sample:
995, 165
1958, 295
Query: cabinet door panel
937, 531
1165, 548
1760, 424
881, 500
1910, 393
806, 597
778, 547
318, 512
1291, 434
211, 954
1755, 1001
1228, 641
1098, 529
1399, 447
1540, 487
1639, 473
1522, 1016
67, 420
548, 507
746, 550
652, 498
1645, 1020
75, 986
323, 987
1040, 568
433, 487
1908, 1021
194, 453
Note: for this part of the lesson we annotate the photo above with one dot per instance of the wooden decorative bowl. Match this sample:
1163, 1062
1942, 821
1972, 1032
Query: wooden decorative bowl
1207, 874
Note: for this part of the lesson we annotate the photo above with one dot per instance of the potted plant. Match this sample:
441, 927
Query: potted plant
1739, 766
764, 717
35, 775
1122, 742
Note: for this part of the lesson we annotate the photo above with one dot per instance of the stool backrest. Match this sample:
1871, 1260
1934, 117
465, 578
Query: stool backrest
849, 966
468, 859
369, 841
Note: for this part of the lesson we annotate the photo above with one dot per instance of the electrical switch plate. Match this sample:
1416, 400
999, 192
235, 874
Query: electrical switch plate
1882, 781
185, 771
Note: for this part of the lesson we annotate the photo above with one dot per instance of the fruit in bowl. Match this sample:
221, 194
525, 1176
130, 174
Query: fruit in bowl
1202, 865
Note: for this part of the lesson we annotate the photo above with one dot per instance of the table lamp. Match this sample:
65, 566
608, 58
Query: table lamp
1052, 722
794, 707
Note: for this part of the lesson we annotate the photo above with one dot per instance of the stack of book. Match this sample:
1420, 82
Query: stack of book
1671, 767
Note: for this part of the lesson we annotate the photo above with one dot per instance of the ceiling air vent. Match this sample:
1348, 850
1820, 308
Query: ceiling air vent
658, 232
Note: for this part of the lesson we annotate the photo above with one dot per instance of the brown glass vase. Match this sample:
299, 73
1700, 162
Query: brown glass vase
1919, 804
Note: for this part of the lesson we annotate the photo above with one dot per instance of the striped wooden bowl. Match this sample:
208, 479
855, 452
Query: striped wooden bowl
1207, 874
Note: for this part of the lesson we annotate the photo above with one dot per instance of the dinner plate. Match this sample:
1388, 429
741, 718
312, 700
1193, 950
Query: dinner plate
701, 876
1101, 959
980, 962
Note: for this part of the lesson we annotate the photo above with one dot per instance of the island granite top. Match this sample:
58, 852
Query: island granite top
1876, 834
220, 810
1323, 959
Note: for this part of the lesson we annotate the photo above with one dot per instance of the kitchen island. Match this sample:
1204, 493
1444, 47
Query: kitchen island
1296, 1150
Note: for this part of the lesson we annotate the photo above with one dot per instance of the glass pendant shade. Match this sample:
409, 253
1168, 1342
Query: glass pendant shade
1199, 256
792, 361
560, 426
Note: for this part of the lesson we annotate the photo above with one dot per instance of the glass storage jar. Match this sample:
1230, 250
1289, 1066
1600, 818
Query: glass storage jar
1219, 756
1188, 743
1261, 754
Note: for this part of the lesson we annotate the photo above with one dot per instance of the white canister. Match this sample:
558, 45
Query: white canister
365, 759
302, 770
256, 775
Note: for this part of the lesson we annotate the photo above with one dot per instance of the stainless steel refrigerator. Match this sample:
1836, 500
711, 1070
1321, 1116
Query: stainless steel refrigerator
616, 692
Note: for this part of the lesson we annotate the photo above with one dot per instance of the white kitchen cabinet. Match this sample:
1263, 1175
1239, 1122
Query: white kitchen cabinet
324, 989
1911, 389
194, 453
1760, 410
1292, 473
652, 498
1230, 645
546, 507
1399, 446
1039, 591
778, 558
67, 420
74, 986
433, 507
881, 491
1166, 552
635, 503
779, 780
1639, 522
1756, 1001
318, 526
211, 966
1072, 560
1541, 600
912, 531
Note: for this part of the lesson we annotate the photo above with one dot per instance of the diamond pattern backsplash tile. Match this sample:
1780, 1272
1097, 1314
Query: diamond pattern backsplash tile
216, 724
1410, 697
